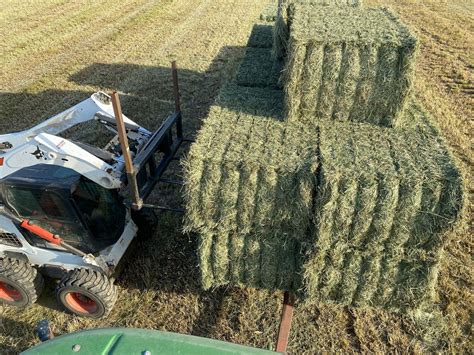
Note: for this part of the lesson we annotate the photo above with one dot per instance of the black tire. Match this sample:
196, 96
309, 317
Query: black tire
87, 293
20, 283
146, 221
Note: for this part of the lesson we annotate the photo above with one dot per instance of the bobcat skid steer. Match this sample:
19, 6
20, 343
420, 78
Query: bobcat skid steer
70, 210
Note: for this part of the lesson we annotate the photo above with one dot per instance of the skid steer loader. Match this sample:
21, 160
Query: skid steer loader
70, 210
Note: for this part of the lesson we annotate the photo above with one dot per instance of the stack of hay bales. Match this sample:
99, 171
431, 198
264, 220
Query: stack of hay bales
259, 69
284, 19
261, 36
254, 101
384, 198
348, 63
249, 191
338, 188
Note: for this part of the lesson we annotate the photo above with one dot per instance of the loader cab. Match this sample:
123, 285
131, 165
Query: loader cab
58, 199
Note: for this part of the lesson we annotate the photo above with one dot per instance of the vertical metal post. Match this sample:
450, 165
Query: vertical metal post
177, 101
285, 322
127, 156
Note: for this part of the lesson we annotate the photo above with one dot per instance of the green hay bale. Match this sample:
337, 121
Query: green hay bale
280, 35
289, 265
260, 102
350, 278
227, 203
253, 251
259, 69
347, 63
385, 198
249, 184
284, 18
236, 260
205, 252
261, 37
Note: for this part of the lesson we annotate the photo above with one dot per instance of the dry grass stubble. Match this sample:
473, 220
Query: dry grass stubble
159, 283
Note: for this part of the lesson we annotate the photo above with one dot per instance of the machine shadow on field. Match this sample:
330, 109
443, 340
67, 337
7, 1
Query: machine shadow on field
167, 261
146, 92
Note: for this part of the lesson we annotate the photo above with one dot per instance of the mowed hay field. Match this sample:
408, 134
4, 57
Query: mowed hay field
56, 53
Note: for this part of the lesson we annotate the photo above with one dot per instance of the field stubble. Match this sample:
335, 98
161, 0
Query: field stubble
128, 48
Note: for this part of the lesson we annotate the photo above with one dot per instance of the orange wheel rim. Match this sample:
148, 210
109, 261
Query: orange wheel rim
9, 293
81, 303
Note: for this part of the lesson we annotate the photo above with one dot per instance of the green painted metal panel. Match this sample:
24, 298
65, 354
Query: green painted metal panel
137, 341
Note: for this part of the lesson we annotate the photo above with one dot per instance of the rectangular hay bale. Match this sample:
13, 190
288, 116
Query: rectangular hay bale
261, 37
284, 17
385, 198
259, 69
348, 64
255, 101
249, 184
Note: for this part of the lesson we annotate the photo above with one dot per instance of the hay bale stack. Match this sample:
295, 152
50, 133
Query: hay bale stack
261, 36
248, 196
284, 19
254, 101
259, 69
384, 198
351, 214
348, 64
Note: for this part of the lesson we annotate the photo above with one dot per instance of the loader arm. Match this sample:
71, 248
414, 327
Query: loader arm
53, 150
41, 145
97, 107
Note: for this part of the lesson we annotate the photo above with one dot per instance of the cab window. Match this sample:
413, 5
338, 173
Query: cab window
37, 204
102, 210
49, 211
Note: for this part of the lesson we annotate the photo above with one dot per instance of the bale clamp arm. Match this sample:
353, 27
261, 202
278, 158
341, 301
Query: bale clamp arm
144, 172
